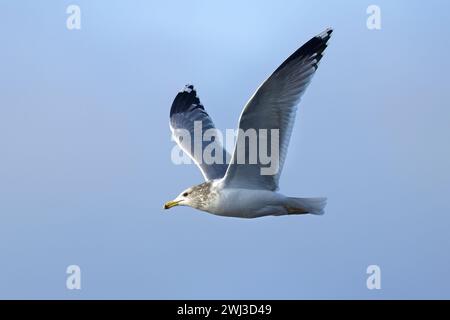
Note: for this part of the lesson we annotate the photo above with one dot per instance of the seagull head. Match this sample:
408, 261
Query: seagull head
196, 197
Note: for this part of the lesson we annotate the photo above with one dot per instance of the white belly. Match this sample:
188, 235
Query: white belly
245, 203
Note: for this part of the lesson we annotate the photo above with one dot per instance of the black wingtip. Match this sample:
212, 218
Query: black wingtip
323, 38
325, 35
185, 100
314, 47
188, 88
328, 31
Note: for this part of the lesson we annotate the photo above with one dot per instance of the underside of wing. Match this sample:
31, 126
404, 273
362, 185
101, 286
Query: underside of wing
194, 131
273, 108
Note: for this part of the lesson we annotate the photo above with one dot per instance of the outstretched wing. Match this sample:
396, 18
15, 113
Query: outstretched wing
273, 106
188, 116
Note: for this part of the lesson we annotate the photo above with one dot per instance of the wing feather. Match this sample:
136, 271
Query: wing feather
186, 110
273, 106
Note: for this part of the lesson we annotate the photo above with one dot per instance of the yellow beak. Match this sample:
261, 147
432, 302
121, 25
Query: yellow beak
171, 204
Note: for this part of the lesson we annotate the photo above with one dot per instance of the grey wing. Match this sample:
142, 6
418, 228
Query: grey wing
188, 123
273, 106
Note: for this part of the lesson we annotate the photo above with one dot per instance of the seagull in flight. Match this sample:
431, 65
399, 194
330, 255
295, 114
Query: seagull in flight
239, 189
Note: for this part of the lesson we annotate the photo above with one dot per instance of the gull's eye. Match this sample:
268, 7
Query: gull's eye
185, 194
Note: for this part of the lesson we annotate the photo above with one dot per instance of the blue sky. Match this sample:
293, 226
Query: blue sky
85, 150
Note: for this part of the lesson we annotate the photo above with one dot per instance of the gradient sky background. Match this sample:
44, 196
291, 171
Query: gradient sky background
85, 150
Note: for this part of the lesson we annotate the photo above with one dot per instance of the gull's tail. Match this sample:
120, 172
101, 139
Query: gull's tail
306, 205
